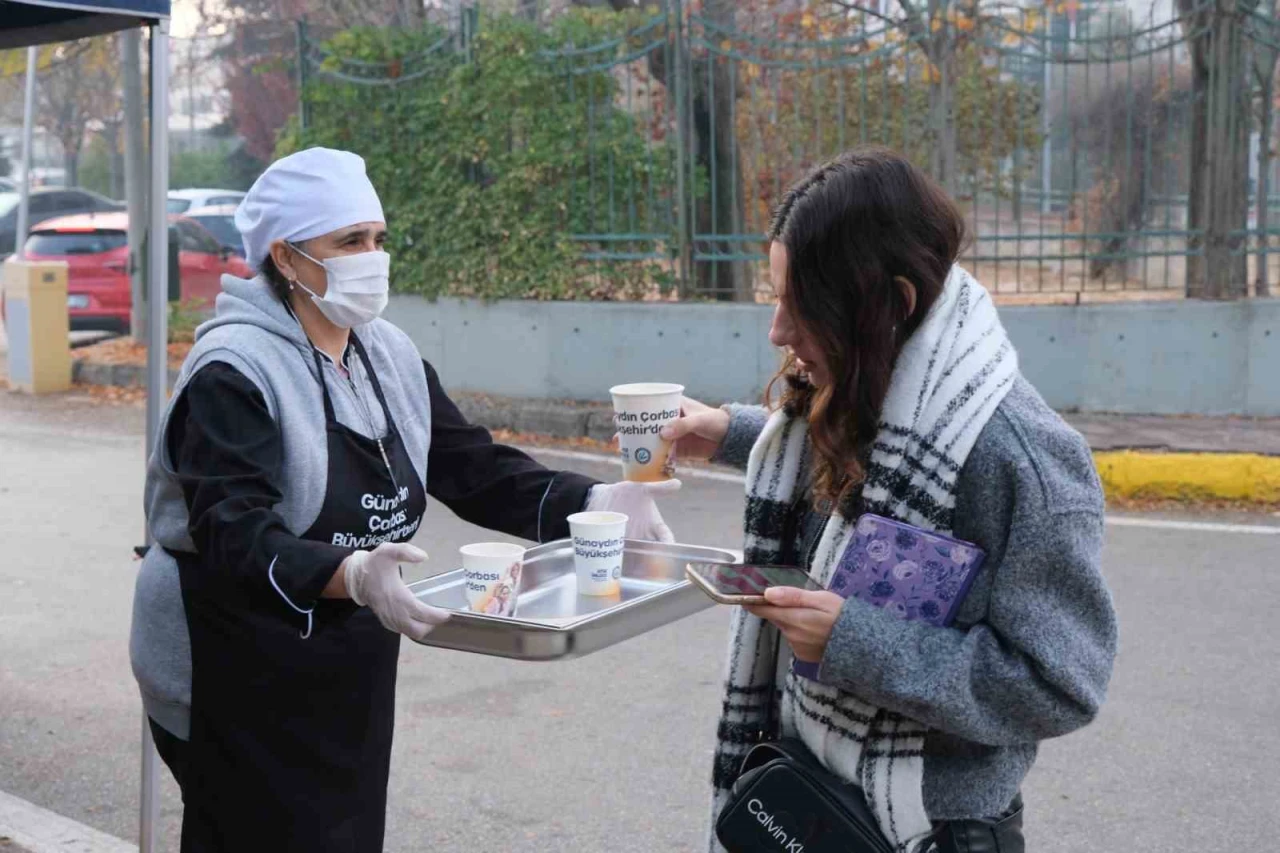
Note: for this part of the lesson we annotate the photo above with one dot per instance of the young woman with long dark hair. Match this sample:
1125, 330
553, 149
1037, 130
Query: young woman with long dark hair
901, 396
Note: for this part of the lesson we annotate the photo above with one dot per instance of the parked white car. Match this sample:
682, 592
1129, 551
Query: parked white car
180, 201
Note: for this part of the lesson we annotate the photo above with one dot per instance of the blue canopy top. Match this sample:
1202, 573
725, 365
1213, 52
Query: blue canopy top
41, 21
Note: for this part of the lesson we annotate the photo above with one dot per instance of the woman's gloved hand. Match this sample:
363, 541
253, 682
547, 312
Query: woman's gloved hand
373, 579
635, 501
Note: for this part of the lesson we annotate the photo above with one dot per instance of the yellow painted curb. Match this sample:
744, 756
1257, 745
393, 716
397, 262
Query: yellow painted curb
1189, 476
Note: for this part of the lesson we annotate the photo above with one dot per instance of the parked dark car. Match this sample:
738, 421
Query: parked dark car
46, 204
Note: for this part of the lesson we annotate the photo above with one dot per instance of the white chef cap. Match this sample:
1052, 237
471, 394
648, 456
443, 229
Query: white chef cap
305, 195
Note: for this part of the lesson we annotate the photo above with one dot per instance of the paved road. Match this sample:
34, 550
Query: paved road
610, 753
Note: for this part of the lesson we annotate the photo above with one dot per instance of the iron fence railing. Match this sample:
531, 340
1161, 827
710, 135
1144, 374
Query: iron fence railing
1077, 138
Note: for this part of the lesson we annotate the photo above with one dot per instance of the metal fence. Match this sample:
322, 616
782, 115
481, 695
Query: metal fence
1083, 142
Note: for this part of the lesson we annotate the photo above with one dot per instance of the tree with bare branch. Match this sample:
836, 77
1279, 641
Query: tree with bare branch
942, 30
1266, 51
79, 86
1218, 202
1129, 177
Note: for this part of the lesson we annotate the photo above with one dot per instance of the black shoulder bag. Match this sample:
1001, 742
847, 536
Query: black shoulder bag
786, 801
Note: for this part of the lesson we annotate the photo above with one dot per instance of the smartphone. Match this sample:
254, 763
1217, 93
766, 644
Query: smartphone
745, 584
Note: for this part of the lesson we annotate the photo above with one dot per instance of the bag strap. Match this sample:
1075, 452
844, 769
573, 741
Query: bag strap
791, 749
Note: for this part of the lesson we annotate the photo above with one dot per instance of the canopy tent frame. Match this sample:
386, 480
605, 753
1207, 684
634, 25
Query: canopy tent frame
35, 22
24, 23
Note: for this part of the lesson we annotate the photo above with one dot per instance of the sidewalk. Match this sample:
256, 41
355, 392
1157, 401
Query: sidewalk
28, 828
1185, 458
1148, 457
1179, 433
1104, 432
78, 339
567, 419
1140, 456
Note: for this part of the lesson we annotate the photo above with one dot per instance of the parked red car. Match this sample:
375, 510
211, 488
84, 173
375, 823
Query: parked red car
95, 247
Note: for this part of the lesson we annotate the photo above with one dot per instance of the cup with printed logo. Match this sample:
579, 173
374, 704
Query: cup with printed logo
598, 543
491, 572
640, 411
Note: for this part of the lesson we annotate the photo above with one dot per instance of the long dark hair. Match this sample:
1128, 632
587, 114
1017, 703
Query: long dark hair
852, 228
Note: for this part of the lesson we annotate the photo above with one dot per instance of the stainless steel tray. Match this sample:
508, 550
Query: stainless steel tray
553, 622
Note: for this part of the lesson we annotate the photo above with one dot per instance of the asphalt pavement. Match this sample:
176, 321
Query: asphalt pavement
612, 752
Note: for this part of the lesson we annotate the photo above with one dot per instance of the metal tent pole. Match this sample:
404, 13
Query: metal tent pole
135, 176
158, 233
157, 351
150, 803
28, 121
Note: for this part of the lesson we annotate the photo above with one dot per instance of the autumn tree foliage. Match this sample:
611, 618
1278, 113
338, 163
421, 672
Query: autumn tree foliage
830, 77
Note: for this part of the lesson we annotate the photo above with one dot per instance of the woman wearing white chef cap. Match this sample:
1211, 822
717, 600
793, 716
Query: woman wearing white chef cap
292, 469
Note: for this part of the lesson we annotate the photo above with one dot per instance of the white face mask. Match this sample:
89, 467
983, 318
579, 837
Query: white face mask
358, 286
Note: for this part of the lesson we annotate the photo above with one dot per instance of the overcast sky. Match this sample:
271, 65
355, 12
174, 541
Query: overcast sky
184, 19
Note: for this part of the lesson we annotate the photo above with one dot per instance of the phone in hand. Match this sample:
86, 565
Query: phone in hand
739, 584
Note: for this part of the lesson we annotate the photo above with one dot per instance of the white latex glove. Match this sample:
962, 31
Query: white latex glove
373, 579
635, 501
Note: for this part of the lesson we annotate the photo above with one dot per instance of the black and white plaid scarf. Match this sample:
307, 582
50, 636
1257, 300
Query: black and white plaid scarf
949, 379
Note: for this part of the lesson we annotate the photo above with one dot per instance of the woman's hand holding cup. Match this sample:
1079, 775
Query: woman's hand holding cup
699, 431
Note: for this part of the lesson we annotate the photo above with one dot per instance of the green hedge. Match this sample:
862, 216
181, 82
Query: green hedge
484, 165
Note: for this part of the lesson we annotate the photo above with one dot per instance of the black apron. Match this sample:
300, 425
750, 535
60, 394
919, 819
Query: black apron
291, 737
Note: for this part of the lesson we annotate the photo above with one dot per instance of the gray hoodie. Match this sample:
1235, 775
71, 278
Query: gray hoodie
253, 332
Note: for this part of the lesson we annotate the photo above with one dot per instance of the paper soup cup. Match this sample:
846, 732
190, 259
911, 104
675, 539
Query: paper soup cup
491, 572
640, 411
598, 543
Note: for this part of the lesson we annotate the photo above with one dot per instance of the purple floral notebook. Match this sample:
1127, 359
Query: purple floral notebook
913, 573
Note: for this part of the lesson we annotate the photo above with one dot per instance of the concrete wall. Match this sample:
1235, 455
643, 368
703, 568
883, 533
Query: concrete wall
578, 350
1153, 358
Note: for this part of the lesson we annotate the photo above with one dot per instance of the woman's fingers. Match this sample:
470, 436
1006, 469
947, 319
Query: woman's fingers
705, 424
417, 629
777, 615
430, 615
679, 428
402, 552
413, 618
662, 487
692, 415
690, 406
784, 596
698, 435
786, 615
